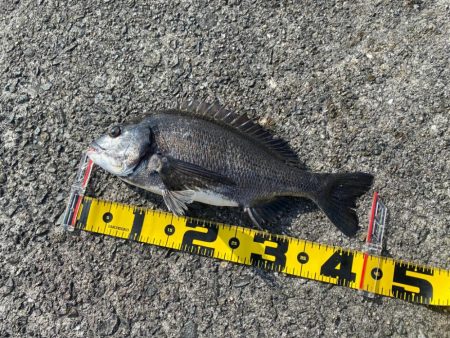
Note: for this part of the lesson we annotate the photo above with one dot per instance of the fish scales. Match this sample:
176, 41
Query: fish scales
225, 151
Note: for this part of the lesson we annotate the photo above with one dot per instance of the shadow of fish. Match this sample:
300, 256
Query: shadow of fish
205, 153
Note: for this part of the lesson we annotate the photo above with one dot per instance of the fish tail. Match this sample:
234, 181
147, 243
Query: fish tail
337, 198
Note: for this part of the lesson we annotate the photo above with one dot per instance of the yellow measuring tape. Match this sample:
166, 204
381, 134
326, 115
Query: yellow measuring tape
329, 264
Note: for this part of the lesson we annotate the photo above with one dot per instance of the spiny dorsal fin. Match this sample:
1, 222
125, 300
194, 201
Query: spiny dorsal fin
243, 124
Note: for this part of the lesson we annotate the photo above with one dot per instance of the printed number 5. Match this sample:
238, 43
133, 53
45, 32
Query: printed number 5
401, 277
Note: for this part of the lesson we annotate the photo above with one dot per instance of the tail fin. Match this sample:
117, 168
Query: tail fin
338, 199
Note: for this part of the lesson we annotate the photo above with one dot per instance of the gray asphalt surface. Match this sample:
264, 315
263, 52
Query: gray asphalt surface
352, 85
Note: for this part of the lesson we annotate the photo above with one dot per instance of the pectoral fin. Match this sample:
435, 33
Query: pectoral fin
181, 179
180, 175
176, 200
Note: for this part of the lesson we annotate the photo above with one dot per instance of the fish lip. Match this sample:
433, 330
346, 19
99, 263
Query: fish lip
95, 148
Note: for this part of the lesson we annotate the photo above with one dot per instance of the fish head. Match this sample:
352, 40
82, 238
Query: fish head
121, 149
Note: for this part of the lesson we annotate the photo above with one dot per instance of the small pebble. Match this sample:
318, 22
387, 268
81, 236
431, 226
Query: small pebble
108, 326
28, 52
73, 313
7, 287
46, 86
247, 82
32, 92
44, 137
23, 99
152, 59
189, 330
150, 291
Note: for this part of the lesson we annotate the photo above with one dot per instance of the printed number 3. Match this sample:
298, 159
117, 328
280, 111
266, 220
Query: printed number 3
279, 253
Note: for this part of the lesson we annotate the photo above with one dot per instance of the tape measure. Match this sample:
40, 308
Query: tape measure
330, 264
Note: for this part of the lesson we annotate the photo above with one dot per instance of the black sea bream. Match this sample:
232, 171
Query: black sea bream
205, 153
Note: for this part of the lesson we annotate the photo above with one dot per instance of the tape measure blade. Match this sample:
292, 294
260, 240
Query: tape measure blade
382, 275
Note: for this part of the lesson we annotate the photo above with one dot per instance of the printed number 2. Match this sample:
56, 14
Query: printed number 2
344, 274
191, 235
401, 277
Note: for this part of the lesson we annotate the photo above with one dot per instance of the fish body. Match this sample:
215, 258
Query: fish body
204, 153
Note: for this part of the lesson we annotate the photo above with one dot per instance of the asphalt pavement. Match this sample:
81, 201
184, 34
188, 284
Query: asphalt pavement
352, 85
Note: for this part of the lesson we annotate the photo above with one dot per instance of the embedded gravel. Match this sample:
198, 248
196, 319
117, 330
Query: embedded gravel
352, 85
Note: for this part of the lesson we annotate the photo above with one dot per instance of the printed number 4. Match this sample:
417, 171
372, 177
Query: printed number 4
344, 273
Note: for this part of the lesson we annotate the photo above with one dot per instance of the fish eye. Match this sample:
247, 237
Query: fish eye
115, 131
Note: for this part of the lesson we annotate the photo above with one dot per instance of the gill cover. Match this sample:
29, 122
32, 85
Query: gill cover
121, 149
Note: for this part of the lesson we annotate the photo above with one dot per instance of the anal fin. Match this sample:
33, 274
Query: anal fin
255, 217
263, 213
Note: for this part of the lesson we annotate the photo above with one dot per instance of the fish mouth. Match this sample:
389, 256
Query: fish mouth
95, 148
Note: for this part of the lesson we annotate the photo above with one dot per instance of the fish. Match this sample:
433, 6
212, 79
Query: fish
203, 152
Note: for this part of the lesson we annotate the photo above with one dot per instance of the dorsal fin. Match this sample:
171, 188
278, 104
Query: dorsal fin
240, 122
